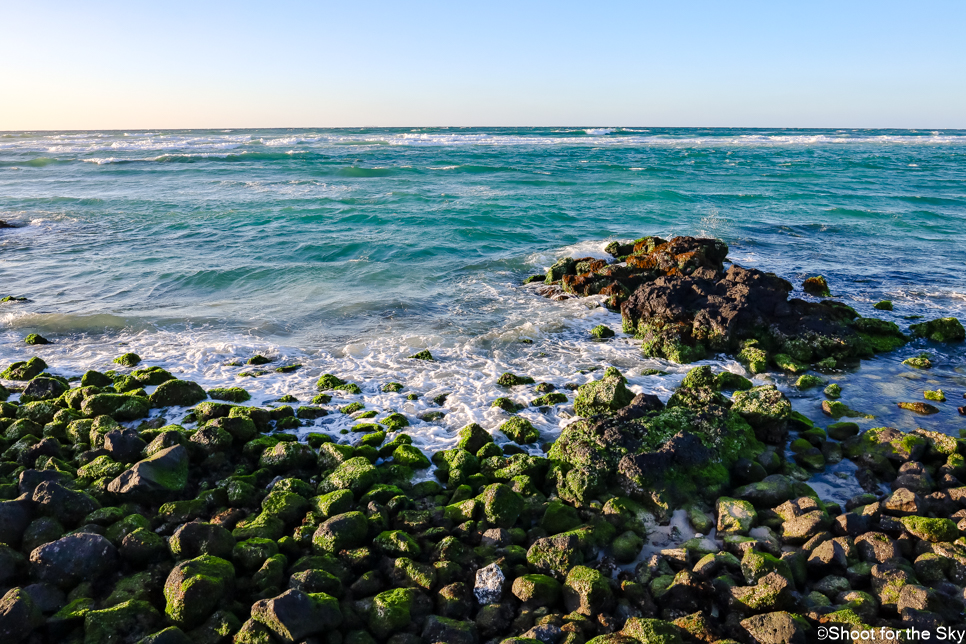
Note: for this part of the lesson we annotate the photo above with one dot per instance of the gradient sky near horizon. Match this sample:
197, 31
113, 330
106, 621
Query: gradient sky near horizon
136, 64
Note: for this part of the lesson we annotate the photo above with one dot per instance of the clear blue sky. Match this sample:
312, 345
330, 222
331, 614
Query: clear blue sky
136, 64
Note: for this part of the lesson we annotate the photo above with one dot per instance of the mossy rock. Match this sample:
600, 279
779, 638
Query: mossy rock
559, 517
833, 391
753, 358
231, 394
501, 505
507, 405
837, 410
536, 590
728, 381
396, 543
118, 406
24, 370
422, 355
410, 456
808, 381
195, 587
508, 379
128, 360
352, 408
919, 407
586, 591
150, 376
553, 398
287, 456
921, 361
654, 631
392, 387
177, 393
473, 437
520, 430
286, 506
602, 397
328, 381
884, 305
395, 421
627, 547
340, 532
333, 503
602, 332
390, 612
932, 530
941, 330
357, 474
816, 286
128, 621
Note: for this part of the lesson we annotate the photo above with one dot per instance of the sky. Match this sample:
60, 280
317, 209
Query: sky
211, 64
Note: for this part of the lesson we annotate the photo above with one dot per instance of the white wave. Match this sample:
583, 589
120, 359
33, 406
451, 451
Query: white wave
94, 142
289, 140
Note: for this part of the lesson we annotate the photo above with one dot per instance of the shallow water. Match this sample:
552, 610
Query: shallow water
349, 250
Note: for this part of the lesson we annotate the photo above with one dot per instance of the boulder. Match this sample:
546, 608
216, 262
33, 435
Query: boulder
775, 628
66, 505
489, 584
194, 587
14, 519
340, 532
196, 538
586, 591
603, 397
941, 330
24, 370
124, 445
293, 616
73, 559
156, 478
766, 409
177, 393
19, 616
117, 406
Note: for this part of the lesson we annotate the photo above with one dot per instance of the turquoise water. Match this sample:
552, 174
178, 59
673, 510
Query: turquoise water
348, 250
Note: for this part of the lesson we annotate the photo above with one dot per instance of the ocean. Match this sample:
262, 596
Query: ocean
349, 250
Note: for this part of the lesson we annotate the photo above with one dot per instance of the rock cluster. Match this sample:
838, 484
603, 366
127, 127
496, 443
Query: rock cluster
677, 296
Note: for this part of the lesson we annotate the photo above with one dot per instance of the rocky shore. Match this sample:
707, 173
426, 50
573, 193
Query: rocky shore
138, 507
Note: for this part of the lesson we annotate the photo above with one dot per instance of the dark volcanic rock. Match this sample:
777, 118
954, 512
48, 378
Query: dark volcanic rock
155, 477
678, 298
74, 558
66, 505
14, 519
124, 445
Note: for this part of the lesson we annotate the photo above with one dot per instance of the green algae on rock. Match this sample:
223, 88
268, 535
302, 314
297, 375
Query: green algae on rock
231, 394
520, 430
510, 380
602, 332
24, 370
817, 286
919, 407
128, 360
605, 396
940, 330
921, 361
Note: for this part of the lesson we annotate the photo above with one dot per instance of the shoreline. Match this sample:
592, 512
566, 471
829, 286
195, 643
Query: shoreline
682, 518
